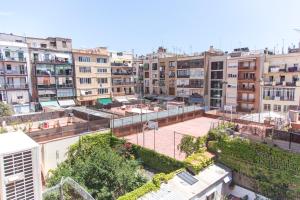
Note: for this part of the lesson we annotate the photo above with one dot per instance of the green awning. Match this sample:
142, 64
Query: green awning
104, 101
49, 104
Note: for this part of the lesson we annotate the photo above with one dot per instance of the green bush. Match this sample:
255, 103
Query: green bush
150, 186
197, 161
155, 160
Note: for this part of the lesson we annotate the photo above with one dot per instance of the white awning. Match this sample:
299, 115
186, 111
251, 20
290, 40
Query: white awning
62, 55
66, 103
123, 100
44, 92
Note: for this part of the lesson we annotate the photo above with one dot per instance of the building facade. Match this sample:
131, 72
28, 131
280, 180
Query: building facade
217, 82
52, 70
122, 73
15, 73
281, 85
244, 72
92, 75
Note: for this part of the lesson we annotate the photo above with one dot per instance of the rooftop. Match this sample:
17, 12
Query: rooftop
178, 188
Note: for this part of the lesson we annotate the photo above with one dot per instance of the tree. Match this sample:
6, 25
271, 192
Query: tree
105, 173
5, 110
190, 144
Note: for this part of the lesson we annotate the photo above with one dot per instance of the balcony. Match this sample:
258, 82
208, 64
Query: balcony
282, 83
115, 64
245, 100
122, 73
13, 59
279, 98
246, 89
48, 86
183, 76
123, 83
52, 61
14, 72
240, 109
65, 85
17, 86
190, 86
246, 68
277, 69
248, 79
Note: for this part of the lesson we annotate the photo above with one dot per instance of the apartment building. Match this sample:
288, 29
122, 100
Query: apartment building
281, 82
52, 70
138, 74
15, 73
92, 76
243, 80
154, 72
168, 75
190, 78
122, 73
217, 81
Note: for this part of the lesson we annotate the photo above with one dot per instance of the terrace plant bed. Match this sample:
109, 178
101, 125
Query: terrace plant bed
275, 173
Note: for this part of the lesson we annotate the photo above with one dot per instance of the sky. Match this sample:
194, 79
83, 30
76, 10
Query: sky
182, 26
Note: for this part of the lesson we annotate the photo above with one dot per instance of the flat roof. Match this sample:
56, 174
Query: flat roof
97, 113
177, 188
14, 142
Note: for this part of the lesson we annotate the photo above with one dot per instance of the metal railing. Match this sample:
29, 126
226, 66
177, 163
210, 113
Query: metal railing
153, 116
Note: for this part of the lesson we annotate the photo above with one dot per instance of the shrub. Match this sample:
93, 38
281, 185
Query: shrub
155, 160
197, 161
5, 110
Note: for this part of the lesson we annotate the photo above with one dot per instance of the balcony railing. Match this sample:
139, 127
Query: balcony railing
65, 85
122, 73
114, 64
52, 61
190, 86
246, 89
16, 59
183, 76
246, 68
275, 69
16, 72
248, 100
16, 86
123, 83
46, 86
246, 79
282, 83
279, 98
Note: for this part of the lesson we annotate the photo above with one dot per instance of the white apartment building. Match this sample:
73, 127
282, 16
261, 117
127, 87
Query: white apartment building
15, 73
281, 82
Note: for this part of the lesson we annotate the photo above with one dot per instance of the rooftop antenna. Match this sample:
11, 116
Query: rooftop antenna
282, 51
297, 30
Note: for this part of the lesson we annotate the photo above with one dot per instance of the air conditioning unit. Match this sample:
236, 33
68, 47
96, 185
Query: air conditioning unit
20, 173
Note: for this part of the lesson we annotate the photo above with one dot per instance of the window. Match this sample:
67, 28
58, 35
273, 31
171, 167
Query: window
53, 44
19, 97
101, 60
84, 59
211, 196
8, 67
277, 108
231, 75
286, 108
154, 66
102, 90
88, 92
102, 70
102, 80
85, 69
267, 107
7, 54
85, 80
172, 64
43, 45
119, 54
64, 44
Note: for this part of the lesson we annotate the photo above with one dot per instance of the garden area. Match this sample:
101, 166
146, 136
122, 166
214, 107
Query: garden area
273, 172
110, 168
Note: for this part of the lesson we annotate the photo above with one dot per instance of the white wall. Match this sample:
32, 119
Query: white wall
241, 192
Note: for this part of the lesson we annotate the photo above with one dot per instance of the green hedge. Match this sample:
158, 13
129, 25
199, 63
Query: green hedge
150, 186
276, 172
155, 160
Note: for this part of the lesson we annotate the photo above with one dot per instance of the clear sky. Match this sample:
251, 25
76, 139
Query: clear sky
143, 25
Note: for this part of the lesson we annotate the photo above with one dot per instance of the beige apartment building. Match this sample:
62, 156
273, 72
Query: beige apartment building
93, 76
281, 85
243, 80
